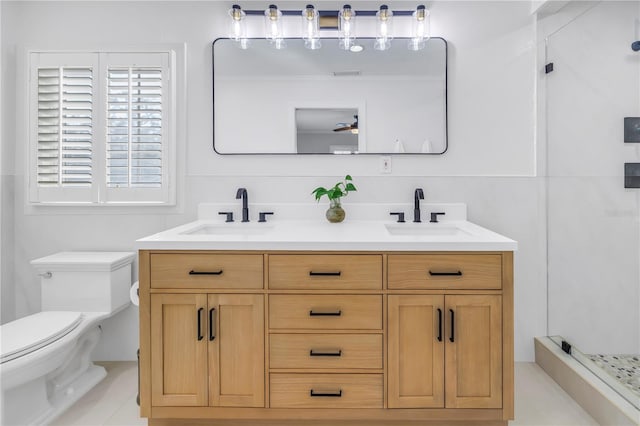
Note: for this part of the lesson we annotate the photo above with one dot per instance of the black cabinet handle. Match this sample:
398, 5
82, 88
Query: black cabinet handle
200, 336
337, 394
439, 325
451, 337
312, 313
336, 353
212, 323
324, 274
192, 272
439, 274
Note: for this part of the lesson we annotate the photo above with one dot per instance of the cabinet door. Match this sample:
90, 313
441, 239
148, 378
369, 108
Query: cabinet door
416, 351
473, 360
178, 350
236, 350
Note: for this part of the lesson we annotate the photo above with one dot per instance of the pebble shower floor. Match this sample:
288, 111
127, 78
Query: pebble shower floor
624, 368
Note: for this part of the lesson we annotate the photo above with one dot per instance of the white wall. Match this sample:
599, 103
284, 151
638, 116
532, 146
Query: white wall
490, 163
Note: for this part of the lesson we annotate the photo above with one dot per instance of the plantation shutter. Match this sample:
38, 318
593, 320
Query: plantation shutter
135, 128
101, 127
63, 92
65, 108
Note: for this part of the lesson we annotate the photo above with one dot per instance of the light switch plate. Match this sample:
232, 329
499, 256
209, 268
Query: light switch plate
385, 164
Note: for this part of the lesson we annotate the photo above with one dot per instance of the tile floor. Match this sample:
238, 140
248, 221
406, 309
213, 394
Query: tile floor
539, 400
624, 368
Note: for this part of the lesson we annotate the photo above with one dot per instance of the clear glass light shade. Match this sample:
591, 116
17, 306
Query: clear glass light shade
310, 27
237, 23
420, 28
384, 28
347, 27
273, 26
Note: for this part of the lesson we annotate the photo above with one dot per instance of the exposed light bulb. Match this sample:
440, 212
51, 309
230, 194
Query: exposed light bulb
384, 28
273, 26
237, 26
347, 27
310, 24
420, 28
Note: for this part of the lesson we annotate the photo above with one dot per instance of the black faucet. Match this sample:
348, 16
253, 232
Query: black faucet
242, 192
417, 196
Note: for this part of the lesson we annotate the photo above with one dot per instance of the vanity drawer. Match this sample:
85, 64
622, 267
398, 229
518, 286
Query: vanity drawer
325, 350
330, 312
326, 390
207, 270
445, 271
325, 271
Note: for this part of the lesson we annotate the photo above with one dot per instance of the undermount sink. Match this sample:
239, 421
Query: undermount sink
230, 229
424, 229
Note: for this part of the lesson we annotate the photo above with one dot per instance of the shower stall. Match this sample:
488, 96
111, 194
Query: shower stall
593, 190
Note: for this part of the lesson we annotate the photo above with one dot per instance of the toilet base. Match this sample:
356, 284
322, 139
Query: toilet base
44, 398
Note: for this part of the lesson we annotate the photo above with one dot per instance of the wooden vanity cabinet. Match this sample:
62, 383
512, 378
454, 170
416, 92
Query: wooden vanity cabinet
436, 340
208, 349
338, 337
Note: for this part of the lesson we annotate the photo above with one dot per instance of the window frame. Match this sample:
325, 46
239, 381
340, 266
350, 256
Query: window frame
98, 194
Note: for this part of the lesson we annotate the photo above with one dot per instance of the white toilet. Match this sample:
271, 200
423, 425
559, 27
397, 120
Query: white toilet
46, 357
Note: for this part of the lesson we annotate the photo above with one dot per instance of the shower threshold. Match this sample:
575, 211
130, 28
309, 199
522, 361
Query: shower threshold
620, 372
595, 393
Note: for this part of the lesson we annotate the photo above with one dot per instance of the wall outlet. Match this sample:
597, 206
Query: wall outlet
385, 164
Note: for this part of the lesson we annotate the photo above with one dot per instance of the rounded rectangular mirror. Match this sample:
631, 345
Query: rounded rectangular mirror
329, 101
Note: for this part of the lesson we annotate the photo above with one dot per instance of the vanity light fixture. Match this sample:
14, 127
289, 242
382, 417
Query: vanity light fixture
238, 27
273, 26
420, 28
347, 27
310, 22
344, 21
384, 28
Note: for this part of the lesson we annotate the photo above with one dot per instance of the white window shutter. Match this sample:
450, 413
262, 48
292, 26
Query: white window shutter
102, 128
139, 139
63, 119
134, 136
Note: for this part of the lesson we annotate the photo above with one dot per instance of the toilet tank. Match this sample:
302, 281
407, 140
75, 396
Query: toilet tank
85, 281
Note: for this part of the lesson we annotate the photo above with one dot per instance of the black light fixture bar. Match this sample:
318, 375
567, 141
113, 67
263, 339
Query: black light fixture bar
329, 18
330, 13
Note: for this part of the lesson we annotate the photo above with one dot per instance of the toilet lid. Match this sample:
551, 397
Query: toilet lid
30, 333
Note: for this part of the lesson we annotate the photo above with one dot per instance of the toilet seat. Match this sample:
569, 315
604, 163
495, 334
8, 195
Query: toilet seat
33, 332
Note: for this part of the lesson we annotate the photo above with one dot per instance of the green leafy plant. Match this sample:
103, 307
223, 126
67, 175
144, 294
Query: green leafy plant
339, 190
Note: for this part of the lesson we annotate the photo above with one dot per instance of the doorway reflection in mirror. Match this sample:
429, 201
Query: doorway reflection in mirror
327, 131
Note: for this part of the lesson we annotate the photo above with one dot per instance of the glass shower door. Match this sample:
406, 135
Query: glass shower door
593, 221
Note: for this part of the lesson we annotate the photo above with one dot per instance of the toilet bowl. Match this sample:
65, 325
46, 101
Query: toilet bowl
45, 361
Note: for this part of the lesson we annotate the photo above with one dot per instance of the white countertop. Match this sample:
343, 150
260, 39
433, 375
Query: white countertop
363, 230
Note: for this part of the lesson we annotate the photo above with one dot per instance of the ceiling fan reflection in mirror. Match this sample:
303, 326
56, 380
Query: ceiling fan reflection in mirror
343, 127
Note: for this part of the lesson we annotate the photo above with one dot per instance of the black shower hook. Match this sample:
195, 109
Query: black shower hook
635, 46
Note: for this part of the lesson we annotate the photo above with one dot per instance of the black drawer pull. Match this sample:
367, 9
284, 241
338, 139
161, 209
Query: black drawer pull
200, 336
192, 272
325, 274
336, 353
312, 313
337, 394
446, 274
439, 325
